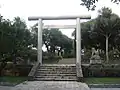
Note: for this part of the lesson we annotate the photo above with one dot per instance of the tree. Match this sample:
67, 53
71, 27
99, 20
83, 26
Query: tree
15, 41
22, 38
86, 37
108, 25
4, 42
90, 4
54, 40
14, 38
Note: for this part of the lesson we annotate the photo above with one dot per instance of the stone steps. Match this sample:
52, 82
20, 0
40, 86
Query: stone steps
54, 79
59, 65
56, 73
67, 77
56, 69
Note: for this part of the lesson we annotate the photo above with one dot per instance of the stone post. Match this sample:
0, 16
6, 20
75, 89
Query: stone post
78, 50
40, 41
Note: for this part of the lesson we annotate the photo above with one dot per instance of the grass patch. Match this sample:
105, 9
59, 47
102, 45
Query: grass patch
103, 80
12, 79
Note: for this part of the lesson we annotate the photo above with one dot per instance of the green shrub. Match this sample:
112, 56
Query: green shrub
114, 54
23, 69
58, 57
52, 57
45, 57
16, 70
68, 56
9, 65
86, 57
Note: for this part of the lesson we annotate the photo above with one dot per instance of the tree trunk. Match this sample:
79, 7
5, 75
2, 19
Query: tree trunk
47, 47
107, 57
74, 47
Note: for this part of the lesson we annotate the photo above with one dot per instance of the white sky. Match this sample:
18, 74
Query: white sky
25, 8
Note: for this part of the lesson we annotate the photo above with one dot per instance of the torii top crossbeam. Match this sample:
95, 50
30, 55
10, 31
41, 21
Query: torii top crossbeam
59, 17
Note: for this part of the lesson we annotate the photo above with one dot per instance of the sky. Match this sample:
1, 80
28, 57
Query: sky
25, 8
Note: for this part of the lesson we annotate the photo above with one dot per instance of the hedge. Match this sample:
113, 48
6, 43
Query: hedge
16, 70
101, 71
23, 69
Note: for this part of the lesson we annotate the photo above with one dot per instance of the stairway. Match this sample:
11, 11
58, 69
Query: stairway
56, 72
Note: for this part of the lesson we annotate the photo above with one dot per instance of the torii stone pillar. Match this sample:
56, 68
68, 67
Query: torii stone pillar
78, 51
39, 56
78, 36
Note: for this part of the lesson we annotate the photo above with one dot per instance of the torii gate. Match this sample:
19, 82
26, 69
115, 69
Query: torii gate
78, 35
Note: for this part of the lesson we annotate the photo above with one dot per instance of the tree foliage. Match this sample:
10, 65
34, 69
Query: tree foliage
102, 32
54, 40
15, 39
108, 25
91, 4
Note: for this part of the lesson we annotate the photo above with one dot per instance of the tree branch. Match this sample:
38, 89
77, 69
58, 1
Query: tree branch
115, 24
109, 35
102, 34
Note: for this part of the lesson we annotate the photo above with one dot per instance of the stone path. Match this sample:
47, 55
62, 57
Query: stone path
10, 88
51, 85
5, 88
105, 89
